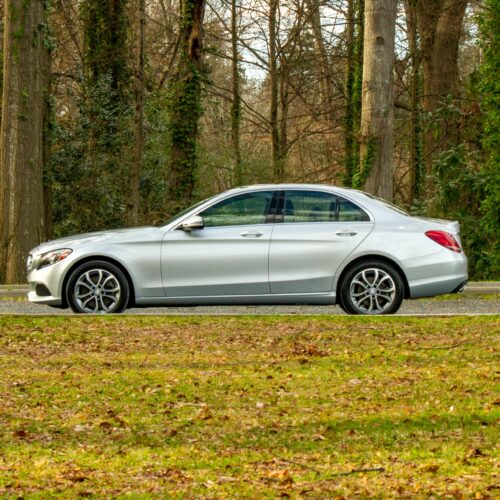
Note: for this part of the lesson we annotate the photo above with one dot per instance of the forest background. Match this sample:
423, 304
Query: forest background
121, 112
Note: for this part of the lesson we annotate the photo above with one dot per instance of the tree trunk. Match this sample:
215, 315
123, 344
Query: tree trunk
186, 104
274, 82
47, 150
106, 42
2, 18
377, 110
416, 159
323, 65
236, 104
22, 224
323, 71
284, 84
353, 79
440, 27
136, 167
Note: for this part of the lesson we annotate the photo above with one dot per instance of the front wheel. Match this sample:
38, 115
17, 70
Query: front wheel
372, 287
97, 287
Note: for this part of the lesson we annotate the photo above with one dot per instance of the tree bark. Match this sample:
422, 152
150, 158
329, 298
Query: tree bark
47, 149
277, 163
236, 103
377, 109
352, 86
284, 83
186, 104
440, 28
323, 65
22, 224
2, 18
324, 76
416, 159
136, 167
106, 42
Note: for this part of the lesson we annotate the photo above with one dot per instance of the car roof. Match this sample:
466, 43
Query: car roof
296, 186
375, 206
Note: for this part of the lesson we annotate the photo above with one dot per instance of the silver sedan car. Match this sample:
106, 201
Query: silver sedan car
266, 244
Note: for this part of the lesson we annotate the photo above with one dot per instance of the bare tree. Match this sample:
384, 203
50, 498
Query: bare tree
352, 86
415, 92
440, 28
236, 101
136, 166
26, 63
377, 108
186, 103
274, 84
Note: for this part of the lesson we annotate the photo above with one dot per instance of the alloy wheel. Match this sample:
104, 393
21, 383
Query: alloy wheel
97, 291
372, 291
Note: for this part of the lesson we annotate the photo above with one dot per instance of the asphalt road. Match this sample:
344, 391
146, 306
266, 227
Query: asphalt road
467, 303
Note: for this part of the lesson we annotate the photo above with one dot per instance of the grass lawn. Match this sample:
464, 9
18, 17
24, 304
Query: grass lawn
251, 407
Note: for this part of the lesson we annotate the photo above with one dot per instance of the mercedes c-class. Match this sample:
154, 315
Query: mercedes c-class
266, 244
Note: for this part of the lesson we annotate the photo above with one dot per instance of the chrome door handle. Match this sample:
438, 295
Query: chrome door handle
252, 234
346, 233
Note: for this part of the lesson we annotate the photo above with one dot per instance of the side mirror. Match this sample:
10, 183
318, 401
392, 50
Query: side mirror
195, 222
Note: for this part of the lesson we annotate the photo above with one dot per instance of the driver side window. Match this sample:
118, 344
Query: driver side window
240, 210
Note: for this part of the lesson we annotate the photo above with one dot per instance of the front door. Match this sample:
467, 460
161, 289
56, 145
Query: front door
317, 232
229, 256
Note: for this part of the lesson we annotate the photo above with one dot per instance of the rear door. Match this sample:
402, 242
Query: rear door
315, 231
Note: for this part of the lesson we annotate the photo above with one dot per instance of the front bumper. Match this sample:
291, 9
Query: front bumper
45, 285
45, 300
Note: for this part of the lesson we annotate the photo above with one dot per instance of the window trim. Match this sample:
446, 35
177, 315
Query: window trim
276, 194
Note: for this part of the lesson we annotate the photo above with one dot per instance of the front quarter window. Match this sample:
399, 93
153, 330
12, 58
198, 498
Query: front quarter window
243, 209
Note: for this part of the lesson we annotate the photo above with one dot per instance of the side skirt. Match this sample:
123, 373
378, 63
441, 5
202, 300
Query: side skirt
269, 299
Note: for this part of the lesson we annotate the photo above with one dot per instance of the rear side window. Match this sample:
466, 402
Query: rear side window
318, 206
349, 212
244, 209
309, 206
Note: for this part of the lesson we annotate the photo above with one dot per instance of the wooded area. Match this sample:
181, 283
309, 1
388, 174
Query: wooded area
121, 112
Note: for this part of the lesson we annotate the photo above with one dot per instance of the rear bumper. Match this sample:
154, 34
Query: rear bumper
441, 286
446, 274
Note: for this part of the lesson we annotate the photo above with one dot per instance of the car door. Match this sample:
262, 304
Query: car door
229, 256
316, 233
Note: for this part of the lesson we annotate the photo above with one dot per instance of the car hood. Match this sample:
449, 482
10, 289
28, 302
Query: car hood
111, 236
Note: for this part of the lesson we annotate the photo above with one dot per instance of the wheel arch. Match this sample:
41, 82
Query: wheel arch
381, 258
89, 258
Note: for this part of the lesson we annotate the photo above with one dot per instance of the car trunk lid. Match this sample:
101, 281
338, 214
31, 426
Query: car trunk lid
452, 227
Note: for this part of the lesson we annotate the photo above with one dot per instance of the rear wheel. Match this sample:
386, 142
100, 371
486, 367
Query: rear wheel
372, 287
97, 287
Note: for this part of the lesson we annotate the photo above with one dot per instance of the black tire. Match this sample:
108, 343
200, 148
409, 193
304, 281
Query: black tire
371, 287
341, 304
97, 287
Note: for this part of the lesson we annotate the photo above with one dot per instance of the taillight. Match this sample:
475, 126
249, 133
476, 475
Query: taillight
445, 239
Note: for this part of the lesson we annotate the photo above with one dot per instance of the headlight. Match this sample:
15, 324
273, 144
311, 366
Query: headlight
49, 258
